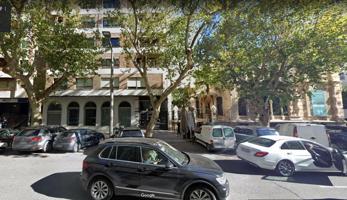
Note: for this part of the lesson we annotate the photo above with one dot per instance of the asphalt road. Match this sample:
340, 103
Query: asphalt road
41, 176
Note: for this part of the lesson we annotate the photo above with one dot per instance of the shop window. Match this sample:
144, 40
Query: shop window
115, 42
88, 22
73, 113
318, 99
105, 114
54, 114
90, 114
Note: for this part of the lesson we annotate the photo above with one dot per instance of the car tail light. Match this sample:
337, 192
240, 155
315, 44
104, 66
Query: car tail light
295, 132
261, 154
36, 139
85, 165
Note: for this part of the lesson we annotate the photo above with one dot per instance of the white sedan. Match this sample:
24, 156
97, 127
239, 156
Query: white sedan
287, 155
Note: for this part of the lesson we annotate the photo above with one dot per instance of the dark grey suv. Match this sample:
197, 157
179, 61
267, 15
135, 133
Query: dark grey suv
151, 168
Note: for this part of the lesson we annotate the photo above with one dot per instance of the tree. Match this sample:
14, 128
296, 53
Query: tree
44, 43
269, 50
167, 32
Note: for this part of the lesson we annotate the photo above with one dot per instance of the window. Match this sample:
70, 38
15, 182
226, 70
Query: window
266, 131
264, 142
242, 104
115, 42
106, 63
88, 22
105, 114
84, 83
293, 145
73, 113
152, 157
90, 114
135, 83
87, 4
105, 82
344, 99
109, 22
5, 84
54, 114
318, 99
105, 153
217, 132
246, 131
113, 154
111, 3
219, 106
129, 153
228, 132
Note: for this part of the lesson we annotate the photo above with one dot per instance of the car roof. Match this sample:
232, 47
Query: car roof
281, 137
255, 127
131, 129
133, 140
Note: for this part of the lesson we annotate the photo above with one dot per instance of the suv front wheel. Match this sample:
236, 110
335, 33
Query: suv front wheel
101, 189
200, 193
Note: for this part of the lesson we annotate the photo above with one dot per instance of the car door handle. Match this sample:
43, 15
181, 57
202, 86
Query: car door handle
142, 169
289, 153
312, 138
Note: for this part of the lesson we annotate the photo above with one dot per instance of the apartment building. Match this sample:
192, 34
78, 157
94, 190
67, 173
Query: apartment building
85, 101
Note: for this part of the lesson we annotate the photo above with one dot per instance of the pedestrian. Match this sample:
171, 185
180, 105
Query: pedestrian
191, 122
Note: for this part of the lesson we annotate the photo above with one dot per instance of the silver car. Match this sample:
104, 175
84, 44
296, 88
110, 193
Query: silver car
35, 139
75, 139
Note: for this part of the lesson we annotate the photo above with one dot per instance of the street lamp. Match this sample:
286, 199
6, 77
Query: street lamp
107, 35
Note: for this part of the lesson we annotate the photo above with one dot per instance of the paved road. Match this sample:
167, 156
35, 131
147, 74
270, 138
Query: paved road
41, 176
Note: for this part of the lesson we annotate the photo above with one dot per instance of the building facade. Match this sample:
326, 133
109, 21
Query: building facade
85, 101
325, 104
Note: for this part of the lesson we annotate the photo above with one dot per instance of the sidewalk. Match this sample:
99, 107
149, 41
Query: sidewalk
178, 142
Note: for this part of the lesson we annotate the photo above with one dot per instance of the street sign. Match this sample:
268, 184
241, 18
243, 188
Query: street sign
5, 17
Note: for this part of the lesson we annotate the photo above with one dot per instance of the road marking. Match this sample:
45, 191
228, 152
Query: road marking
337, 186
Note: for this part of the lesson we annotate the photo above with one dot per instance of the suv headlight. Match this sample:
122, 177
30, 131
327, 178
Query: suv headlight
222, 179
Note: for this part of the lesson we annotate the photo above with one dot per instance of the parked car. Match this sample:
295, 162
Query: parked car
244, 133
288, 155
6, 137
36, 138
131, 132
314, 132
99, 135
151, 168
338, 136
76, 139
215, 137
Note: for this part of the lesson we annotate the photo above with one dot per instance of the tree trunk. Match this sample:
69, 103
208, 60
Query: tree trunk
36, 113
154, 118
264, 117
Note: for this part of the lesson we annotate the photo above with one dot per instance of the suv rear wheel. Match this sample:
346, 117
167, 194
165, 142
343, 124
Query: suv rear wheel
200, 193
101, 189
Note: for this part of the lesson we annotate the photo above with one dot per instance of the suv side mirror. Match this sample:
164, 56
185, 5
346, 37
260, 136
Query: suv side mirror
168, 165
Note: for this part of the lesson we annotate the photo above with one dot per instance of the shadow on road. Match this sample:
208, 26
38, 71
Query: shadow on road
66, 185
18, 154
241, 167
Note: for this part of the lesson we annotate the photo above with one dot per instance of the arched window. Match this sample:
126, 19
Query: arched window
124, 114
73, 113
90, 114
54, 114
105, 114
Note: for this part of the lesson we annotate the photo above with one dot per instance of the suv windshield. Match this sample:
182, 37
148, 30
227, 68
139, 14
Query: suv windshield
266, 131
264, 142
131, 133
29, 132
173, 153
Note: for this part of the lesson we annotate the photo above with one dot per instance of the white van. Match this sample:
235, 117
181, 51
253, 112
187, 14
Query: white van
216, 137
314, 132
